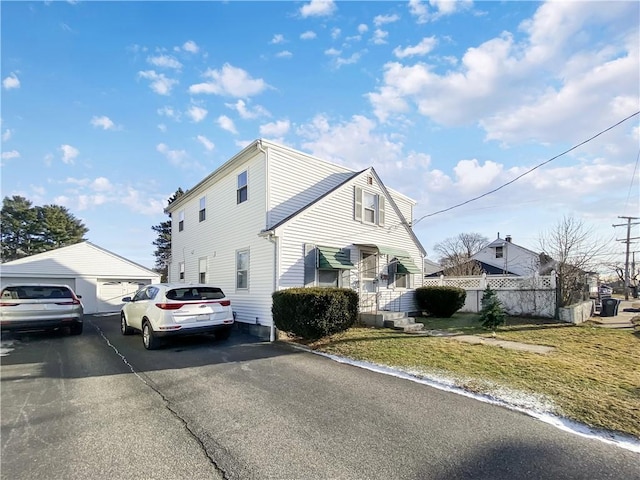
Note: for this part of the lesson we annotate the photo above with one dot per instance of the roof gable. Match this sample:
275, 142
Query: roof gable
80, 259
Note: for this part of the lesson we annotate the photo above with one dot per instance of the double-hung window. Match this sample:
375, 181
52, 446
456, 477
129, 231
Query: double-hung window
242, 269
181, 270
369, 207
499, 252
202, 270
243, 189
202, 214
181, 220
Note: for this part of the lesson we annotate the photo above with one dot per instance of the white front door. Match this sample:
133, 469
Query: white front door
368, 269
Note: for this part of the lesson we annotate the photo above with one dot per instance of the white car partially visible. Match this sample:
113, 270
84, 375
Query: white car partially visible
166, 310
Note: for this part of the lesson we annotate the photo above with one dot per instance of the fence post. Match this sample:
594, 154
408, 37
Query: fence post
441, 280
483, 282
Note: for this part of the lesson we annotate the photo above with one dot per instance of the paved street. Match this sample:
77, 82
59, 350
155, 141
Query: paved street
100, 406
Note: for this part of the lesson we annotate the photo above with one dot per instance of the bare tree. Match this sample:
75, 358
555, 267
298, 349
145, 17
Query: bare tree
576, 251
456, 252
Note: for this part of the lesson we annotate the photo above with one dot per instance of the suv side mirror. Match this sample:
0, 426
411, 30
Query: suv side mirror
127, 299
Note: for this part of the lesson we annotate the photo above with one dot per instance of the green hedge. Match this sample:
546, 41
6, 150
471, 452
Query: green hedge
440, 302
313, 313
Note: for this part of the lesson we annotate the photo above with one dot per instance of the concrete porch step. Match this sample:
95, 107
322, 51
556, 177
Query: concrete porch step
407, 324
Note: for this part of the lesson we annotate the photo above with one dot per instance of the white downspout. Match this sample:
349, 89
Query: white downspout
272, 237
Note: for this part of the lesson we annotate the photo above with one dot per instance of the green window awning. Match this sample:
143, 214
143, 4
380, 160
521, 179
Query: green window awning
405, 263
334, 258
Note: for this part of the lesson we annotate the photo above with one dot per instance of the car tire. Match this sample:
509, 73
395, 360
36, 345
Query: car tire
149, 340
223, 334
124, 328
75, 328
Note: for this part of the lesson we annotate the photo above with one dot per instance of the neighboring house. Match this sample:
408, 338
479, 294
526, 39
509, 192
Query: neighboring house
503, 257
272, 218
431, 267
101, 277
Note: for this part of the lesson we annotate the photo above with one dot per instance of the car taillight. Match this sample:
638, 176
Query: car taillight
225, 303
169, 306
7, 304
75, 301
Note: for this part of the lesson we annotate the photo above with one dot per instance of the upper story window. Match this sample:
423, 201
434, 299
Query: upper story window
369, 207
242, 192
181, 220
499, 252
202, 214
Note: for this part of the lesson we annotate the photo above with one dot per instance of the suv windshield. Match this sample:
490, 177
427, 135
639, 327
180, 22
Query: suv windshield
33, 292
195, 293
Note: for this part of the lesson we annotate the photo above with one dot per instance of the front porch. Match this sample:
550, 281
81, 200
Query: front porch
391, 309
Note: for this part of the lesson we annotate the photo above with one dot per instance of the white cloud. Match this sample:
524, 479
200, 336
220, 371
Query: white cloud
275, 129
551, 85
104, 122
169, 112
196, 113
160, 84
384, 19
318, 8
165, 61
425, 46
227, 124
335, 33
248, 113
69, 153
362, 28
190, 46
177, 158
162, 127
308, 35
10, 154
284, 54
354, 58
380, 37
12, 81
208, 144
332, 52
277, 39
230, 81
102, 184
419, 10
6, 136
473, 178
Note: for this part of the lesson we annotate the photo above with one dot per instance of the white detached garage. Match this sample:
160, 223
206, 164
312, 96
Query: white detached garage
101, 277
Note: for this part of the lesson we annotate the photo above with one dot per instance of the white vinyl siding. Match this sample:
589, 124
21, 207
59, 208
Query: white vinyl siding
331, 222
297, 180
218, 239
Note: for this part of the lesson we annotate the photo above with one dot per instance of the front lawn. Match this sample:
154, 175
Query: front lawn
592, 376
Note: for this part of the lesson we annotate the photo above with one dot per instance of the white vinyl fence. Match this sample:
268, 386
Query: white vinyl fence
529, 296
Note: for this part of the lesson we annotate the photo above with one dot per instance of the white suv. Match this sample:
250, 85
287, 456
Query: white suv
165, 310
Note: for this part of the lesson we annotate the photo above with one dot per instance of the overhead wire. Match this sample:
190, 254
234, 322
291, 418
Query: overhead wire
633, 177
528, 171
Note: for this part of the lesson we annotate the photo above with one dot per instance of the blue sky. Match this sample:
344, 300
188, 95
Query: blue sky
109, 107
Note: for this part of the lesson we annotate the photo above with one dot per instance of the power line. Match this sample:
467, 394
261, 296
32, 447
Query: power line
528, 171
633, 177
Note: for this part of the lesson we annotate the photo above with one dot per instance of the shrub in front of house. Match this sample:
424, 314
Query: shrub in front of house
313, 313
440, 301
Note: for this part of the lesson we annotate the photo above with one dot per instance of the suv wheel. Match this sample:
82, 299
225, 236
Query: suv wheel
124, 328
149, 340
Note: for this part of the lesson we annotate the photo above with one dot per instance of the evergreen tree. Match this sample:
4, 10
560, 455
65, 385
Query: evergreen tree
492, 314
27, 230
163, 242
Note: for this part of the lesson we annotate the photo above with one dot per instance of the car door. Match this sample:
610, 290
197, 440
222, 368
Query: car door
137, 308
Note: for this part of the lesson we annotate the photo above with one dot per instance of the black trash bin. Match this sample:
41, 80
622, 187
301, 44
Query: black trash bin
609, 307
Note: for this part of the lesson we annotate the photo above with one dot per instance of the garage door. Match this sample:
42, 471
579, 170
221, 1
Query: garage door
111, 292
71, 282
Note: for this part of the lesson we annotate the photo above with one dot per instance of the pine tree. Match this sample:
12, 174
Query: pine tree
493, 312
163, 242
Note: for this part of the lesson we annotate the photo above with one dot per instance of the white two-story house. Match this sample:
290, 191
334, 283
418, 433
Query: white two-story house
503, 257
272, 218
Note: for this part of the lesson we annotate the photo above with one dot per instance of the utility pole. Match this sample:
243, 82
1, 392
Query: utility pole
628, 244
